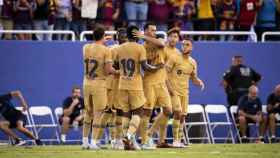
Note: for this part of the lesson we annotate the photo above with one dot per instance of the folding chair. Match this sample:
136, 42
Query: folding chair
44, 119
233, 111
221, 119
200, 121
58, 113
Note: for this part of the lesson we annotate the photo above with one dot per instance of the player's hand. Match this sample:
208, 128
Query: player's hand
75, 101
201, 85
138, 34
276, 105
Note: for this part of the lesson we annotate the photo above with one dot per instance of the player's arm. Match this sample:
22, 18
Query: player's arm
151, 68
109, 69
17, 94
155, 41
195, 79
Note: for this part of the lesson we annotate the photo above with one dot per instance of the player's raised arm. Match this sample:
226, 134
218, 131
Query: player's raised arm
149, 35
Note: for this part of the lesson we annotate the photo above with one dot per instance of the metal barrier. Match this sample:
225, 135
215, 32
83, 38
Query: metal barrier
233, 33
40, 32
82, 35
269, 34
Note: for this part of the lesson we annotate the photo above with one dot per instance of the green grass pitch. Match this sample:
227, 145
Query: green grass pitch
195, 151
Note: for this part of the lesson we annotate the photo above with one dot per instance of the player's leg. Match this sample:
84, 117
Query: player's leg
184, 103
99, 121
161, 121
147, 112
112, 116
136, 101
177, 112
88, 117
272, 125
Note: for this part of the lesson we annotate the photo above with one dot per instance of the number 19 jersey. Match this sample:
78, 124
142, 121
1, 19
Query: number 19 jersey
129, 55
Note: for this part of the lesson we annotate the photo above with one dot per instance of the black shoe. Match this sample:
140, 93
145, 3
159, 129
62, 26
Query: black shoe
38, 142
273, 140
127, 144
245, 140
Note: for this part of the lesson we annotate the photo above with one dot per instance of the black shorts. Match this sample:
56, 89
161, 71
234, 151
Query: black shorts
72, 118
13, 116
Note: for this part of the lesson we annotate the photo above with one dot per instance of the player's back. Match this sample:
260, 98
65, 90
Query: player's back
95, 57
129, 56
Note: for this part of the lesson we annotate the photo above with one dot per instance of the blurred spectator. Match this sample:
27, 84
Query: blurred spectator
266, 19
159, 12
136, 12
206, 17
6, 16
247, 16
78, 23
250, 111
183, 15
228, 15
23, 18
238, 79
41, 16
1, 27
63, 17
109, 11
273, 108
72, 112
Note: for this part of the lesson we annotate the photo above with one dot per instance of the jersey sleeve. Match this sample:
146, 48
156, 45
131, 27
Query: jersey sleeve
255, 76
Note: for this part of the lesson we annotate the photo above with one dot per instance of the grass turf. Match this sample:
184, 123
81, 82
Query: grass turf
195, 151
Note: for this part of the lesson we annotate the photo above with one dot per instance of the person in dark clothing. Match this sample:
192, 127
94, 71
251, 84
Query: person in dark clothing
238, 79
250, 111
72, 112
13, 118
273, 109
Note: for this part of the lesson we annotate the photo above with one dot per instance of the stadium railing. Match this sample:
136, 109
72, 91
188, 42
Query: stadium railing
265, 34
253, 35
60, 32
84, 33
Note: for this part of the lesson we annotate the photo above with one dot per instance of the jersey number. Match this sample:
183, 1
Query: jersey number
91, 66
128, 67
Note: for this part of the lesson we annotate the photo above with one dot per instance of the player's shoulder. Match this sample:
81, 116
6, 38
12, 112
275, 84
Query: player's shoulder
192, 60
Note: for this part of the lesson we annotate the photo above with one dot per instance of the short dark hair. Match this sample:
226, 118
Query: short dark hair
173, 30
188, 39
146, 26
75, 87
98, 33
237, 57
130, 35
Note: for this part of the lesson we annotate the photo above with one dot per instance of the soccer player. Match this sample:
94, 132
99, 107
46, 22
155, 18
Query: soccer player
155, 89
13, 118
97, 65
72, 112
181, 68
131, 57
115, 112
